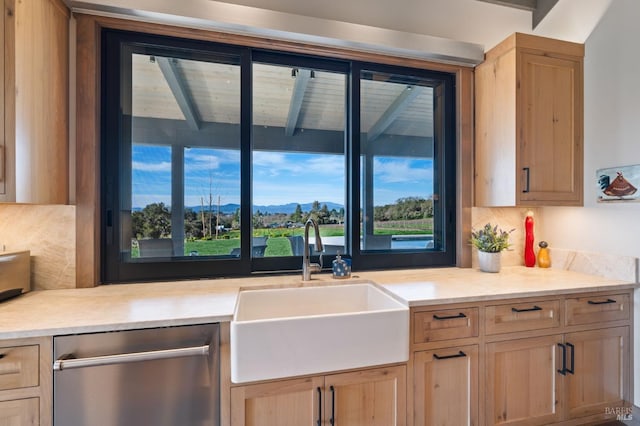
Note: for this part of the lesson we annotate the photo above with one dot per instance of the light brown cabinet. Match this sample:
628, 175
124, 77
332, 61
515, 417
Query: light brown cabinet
34, 148
580, 370
372, 397
523, 383
529, 123
26, 389
445, 383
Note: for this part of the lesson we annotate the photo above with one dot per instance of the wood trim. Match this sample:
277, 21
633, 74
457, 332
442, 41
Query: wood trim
465, 164
87, 152
88, 124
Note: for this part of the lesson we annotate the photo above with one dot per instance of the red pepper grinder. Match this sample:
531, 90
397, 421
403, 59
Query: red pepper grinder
529, 254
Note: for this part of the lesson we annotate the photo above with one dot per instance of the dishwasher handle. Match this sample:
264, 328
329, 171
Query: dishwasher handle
66, 362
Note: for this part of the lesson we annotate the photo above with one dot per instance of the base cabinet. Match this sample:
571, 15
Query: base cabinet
372, 397
21, 412
523, 382
446, 386
26, 382
599, 377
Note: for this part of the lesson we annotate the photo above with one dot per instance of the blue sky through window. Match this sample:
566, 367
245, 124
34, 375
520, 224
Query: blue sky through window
278, 178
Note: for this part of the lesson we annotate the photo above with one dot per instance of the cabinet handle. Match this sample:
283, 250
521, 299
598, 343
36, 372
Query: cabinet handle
535, 308
602, 302
572, 358
458, 355
439, 318
332, 419
527, 173
563, 371
2, 356
319, 421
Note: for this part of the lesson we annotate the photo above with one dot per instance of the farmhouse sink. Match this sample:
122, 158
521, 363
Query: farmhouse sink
288, 332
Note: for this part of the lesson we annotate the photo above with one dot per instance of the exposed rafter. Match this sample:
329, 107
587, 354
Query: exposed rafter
180, 91
395, 109
539, 8
302, 77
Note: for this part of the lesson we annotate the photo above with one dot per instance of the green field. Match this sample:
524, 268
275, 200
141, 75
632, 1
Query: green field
278, 244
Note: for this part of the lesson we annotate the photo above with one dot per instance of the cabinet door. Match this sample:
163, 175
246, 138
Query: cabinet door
522, 383
281, 403
549, 118
446, 387
374, 397
601, 371
20, 412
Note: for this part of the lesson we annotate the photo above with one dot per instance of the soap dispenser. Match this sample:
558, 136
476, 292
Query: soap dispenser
341, 269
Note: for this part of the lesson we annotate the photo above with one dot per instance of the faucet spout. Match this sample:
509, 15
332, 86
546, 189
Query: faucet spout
307, 266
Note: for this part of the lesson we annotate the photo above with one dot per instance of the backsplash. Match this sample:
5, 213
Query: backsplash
48, 231
508, 218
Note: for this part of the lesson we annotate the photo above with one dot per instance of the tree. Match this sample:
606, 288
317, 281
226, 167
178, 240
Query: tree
153, 221
296, 216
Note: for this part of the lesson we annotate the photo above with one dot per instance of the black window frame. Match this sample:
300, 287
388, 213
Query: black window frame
115, 269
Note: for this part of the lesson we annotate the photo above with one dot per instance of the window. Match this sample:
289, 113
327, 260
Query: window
214, 156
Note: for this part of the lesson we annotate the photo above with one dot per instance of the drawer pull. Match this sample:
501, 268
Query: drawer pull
602, 302
563, 371
2, 356
458, 355
439, 318
535, 308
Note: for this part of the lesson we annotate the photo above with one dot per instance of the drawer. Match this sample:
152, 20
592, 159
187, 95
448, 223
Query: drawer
595, 309
19, 367
522, 316
447, 324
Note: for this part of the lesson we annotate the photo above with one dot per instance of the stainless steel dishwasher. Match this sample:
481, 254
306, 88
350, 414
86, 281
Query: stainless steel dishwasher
157, 377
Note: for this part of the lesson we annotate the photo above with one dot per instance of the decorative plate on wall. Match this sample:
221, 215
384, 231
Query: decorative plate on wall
619, 183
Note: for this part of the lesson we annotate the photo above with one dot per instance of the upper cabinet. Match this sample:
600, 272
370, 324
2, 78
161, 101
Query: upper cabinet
529, 124
34, 147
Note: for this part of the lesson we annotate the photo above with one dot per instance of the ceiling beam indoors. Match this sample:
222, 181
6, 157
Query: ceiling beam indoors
538, 8
302, 77
180, 90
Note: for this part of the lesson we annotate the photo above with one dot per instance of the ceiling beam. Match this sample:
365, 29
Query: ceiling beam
544, 7
161, 131
539, 8
395, 109
302, 77
180, 90
529, 5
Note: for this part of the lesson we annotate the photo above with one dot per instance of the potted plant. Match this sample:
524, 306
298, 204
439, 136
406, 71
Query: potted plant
490, 241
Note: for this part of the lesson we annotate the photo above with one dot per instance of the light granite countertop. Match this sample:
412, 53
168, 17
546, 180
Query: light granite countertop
129, 306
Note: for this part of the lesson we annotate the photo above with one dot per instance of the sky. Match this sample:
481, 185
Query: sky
278, 178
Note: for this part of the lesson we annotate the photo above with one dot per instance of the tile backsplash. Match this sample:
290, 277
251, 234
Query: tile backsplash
48, 232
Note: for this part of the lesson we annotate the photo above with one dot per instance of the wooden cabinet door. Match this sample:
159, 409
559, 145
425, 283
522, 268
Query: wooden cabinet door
549, 125
446, 387
523, 385
20, 412
283, 403
375, 397
601, 371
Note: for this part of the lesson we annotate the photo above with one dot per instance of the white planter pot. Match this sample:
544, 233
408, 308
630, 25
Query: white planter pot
489, 262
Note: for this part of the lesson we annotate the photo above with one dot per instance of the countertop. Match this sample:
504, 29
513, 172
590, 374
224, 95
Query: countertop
145, 305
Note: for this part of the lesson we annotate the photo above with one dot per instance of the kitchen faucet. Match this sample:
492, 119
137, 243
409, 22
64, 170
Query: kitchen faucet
307, 266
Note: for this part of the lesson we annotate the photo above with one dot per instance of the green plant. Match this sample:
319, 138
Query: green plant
490, 239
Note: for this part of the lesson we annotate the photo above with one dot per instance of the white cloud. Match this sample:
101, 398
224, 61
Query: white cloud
163, 166
400, 171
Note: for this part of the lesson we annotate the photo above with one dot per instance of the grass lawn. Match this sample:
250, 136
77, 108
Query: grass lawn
278, 244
